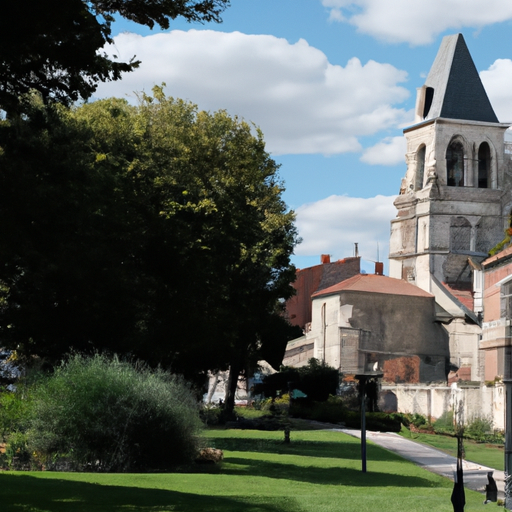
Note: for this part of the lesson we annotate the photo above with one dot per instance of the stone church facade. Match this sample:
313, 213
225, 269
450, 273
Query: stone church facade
455, 199
454, 206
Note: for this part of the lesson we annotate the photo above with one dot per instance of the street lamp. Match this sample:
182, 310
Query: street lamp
508, 438
363, 377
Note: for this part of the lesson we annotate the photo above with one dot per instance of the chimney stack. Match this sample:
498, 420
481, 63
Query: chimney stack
379, 268
325, 258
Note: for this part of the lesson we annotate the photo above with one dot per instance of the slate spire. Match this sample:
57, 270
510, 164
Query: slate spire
453, 88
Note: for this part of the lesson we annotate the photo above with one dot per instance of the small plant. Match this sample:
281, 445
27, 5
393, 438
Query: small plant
418, 420
479, 427
444, 424
415, 421
17, 452
210, 414
14, 411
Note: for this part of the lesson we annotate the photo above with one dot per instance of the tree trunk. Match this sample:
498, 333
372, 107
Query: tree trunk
212, 386
231, 387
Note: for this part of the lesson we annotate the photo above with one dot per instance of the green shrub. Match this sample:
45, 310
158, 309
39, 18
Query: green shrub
317, 380
444, 424
480, 429
334, 411
377, 421
107, 415
210, 414
17, 452
417, 420
249, 413
14, 411
331, 411
349, 397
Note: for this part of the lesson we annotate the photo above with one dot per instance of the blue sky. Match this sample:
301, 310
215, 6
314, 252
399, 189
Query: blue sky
332, 84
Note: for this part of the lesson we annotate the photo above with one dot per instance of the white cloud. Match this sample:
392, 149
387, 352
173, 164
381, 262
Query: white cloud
419, 21
302, 103
389, 151
497, 81
334, 224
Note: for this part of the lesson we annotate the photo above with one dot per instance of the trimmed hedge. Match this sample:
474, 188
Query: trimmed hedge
333, 411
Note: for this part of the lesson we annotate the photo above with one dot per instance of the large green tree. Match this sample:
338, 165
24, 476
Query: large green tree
156, 230
55, 46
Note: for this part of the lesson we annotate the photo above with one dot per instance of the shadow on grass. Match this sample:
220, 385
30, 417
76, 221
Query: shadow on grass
19, 493
327, 476
349, 450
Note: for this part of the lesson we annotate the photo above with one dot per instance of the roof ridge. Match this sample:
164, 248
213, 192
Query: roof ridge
377, 284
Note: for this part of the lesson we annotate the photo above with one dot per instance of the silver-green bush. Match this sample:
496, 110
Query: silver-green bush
103, 414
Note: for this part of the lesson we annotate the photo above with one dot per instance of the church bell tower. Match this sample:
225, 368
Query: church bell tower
455, 200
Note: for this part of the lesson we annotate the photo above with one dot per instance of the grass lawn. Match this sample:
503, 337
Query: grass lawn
319, 471
490, 455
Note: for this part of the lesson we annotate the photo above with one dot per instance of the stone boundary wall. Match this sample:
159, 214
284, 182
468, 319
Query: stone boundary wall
433, 401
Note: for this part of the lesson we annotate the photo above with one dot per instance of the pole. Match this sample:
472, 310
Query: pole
508, 442
363, 423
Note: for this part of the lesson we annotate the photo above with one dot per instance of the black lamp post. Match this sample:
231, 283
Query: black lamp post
508, 442
363, 378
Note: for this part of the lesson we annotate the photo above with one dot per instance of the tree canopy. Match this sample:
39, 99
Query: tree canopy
55, 46
154, 230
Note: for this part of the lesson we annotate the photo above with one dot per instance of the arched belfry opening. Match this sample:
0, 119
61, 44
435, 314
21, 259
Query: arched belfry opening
420, 167
455, 164
484, 165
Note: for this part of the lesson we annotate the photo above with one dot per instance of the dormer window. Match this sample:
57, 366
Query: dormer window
455, 164
429, 97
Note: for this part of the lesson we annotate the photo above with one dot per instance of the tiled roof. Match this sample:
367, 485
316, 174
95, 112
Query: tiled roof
375, 284
464, 296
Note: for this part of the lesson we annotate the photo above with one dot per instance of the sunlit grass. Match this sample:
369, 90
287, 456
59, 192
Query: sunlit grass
490, 455
319, 471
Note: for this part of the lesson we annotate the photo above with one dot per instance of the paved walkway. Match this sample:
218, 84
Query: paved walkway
475, 475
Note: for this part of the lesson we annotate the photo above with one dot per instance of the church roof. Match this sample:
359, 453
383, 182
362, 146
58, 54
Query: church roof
374, 283
458, 92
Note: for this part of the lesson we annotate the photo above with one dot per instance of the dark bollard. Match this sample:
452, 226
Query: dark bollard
458, 495
491, 489
287, 435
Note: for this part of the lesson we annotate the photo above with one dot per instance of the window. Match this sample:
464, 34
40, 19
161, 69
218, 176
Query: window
420, 167
506, 300
455, 164
484, 164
